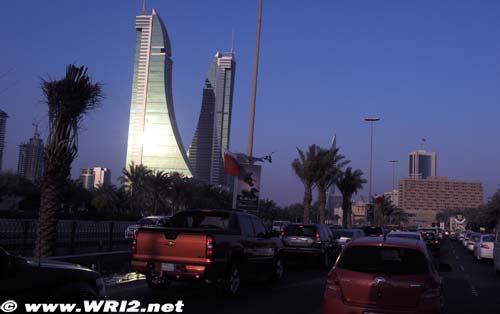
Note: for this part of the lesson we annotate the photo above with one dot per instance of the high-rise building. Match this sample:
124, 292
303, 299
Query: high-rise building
30, 161
422, 164
92, 178
332, 200
153, 139
422, 199
87, 178
211, 138
3, 124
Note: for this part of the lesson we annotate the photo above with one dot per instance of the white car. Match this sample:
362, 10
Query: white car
474, 238
496, 253
279, 225
145, 221
484, 248
405, 235
344, 236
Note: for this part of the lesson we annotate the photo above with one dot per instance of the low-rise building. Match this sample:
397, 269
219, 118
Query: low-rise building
423, 198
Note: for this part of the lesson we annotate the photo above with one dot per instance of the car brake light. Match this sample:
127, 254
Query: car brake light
437, 242
210, 247
432, 289
333, 282
485, 246
134, 243
318, 237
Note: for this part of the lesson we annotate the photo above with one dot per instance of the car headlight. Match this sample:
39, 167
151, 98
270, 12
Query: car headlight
101, 288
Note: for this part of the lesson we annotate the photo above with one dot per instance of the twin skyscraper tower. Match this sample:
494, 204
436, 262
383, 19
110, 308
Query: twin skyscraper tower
153, 139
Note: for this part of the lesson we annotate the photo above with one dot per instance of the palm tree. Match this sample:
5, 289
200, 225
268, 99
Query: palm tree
330, 164
106, 198
158, 185
135, 180
349, 183
306, 167
69, 100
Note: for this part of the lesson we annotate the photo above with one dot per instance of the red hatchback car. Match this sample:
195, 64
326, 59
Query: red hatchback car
380, 275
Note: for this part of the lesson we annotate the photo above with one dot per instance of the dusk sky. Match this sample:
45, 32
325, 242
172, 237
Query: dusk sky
430, 69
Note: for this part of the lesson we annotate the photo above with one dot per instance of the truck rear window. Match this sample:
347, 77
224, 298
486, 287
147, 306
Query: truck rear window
384, 260
300, 230
200, 220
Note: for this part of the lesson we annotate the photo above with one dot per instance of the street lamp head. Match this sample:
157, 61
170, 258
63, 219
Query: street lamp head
373, 119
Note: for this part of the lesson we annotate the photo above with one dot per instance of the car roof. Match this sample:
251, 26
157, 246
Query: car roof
405, 232
389, 242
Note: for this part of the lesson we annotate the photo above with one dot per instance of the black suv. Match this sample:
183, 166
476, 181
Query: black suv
315, 240
49, 281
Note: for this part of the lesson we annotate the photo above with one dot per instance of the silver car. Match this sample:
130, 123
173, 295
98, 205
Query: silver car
145, 221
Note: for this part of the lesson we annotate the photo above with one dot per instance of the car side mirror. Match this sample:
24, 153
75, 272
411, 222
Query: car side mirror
444, 268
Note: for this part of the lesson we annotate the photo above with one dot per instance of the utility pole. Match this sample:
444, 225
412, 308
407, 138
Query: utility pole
254, 87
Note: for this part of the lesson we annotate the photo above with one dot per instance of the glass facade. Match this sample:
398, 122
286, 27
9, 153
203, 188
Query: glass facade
154, 139
212, 135
422, 164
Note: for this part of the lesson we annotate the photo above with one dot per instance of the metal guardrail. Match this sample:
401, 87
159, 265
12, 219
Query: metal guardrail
18, 236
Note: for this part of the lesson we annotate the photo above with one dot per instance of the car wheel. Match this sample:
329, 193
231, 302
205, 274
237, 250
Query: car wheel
278, 270
157, 283
497, 272
232, 280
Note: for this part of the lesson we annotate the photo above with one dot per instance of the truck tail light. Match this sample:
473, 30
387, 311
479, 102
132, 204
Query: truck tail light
210, 247
134, 243
485, 246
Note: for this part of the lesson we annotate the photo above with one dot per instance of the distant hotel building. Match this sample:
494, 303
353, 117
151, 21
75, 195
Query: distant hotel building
3, 124
153, 138
422, 199
92, 178
30, 161
211, 138
422, 164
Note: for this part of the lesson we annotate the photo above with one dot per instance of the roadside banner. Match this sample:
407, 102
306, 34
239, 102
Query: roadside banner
248, 187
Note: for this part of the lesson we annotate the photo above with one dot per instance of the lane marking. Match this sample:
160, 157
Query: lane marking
457, 257
462, 268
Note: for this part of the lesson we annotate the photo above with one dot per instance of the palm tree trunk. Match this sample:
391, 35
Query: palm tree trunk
349, 215
47, 221
321, 204
346, 200
307, 203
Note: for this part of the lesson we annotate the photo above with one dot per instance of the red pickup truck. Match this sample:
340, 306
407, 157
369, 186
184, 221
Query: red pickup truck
216, 246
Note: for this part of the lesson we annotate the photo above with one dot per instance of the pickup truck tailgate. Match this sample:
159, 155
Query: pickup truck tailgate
171, 246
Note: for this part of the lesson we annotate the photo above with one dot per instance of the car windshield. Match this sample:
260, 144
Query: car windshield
386, 260
429, 236
489, 238
403, 235
373, 231
475, 237
147, 221
300, 230
200, 219
343, 233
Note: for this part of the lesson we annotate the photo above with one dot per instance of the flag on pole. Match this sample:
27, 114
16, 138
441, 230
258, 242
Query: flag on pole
231, 165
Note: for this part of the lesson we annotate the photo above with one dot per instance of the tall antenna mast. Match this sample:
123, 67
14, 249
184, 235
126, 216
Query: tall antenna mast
36, 124
144, 11
232, 40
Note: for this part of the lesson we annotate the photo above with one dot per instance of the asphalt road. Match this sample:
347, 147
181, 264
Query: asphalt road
471, 287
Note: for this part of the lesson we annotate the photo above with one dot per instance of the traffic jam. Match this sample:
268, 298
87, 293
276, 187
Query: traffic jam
230, 255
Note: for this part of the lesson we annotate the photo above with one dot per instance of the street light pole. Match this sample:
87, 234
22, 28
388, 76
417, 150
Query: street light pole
371, 120
254, 86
